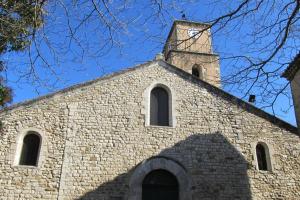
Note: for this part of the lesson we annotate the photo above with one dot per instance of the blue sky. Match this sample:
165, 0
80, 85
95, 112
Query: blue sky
139, 40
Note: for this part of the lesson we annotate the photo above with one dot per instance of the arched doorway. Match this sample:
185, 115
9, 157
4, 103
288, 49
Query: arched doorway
173, 168
160, 185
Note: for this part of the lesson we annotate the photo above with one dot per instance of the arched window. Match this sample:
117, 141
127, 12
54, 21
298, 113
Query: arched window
160, 185
199, 71
195, 71
262, 156
30, 149
159, 107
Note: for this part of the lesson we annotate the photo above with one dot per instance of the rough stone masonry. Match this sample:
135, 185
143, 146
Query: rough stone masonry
96, 145
96, 140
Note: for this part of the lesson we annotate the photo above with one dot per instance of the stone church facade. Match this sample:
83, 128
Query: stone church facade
99, 140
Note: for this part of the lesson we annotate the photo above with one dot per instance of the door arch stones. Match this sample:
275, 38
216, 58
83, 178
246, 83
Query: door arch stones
156, 163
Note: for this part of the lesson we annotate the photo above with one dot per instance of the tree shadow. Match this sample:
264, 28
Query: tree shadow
216, 168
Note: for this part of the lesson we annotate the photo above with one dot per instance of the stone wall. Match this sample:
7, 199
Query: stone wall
49, 118
98, 146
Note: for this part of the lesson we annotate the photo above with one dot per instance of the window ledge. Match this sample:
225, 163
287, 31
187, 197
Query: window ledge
25, 166
156, 126
265, 171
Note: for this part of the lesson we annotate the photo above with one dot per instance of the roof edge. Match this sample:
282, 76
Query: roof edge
239, 102
227, 96
76, 86
192, 22
191, 52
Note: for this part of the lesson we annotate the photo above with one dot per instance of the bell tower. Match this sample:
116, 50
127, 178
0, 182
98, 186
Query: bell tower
189, 47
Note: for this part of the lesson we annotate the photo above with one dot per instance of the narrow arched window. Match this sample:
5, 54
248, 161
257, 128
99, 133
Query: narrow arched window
195, 72
159, 107
160, 185
262, 157
30, 149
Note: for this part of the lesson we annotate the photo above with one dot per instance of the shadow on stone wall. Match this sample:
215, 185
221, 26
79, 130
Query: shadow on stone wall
216, 168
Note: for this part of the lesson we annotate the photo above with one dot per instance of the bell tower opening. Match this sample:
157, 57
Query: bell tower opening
189, 45
195, 71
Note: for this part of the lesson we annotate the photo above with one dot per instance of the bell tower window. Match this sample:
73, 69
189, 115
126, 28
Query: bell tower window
195, 72
199, 72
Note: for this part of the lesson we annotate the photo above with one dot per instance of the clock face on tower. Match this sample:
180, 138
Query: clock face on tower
193, 32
